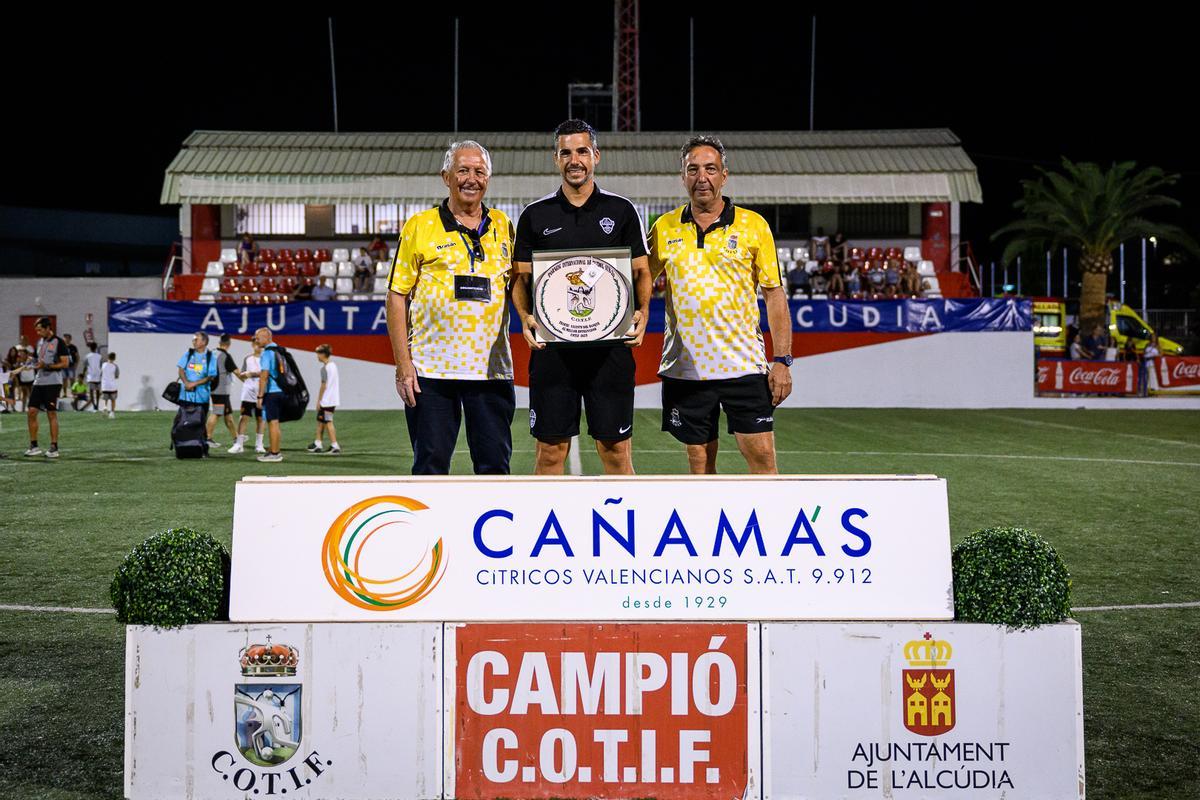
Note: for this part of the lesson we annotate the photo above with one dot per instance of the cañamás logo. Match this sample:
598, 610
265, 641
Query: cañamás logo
377, 557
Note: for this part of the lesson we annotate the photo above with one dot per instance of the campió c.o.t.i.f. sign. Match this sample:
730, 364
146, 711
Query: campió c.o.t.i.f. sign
679, 548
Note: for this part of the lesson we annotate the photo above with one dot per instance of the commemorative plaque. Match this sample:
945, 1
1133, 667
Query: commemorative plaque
583, 297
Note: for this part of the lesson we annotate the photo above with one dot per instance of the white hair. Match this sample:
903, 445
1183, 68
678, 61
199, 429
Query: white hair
466, 144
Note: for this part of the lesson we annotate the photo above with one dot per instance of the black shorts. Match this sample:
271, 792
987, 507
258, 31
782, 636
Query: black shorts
325, 413
272, 406
220, 405
111, 395
250, 409
45, 397
602, 377
692, 409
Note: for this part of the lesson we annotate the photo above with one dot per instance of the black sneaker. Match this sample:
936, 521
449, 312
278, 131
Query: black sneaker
313, 448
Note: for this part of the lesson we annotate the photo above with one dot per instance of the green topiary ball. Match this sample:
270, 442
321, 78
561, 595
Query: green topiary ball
1009, 576
177, 577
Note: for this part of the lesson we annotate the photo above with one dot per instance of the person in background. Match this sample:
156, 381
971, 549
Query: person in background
247, 249
323, 291
109, 372
270, 394
73, 363
248, 375
327, 401
1151, 352
364, 270
6, 398
25, 371
378, 249
92, 363
221, 407
50, 362
79, 394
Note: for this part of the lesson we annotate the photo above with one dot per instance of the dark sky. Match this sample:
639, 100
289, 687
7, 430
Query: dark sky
104, 101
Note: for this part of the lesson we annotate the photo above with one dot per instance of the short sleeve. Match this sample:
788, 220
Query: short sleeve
183, 360
523, 240
406, 264
656, 266
633, 234
766, 260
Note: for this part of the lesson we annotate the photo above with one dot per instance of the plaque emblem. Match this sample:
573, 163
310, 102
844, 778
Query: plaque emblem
582, 298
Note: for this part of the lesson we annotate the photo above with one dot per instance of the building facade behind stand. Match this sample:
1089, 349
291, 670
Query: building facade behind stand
312, 199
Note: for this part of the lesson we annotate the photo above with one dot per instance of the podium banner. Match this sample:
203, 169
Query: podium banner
649, 548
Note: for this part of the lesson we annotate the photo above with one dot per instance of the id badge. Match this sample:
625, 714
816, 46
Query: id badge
472, 287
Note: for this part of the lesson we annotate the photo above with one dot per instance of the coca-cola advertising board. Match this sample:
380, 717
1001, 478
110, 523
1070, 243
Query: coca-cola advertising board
1086, 377
1179, 374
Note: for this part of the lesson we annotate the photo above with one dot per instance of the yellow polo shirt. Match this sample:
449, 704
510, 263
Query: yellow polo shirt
450, 338
712, 316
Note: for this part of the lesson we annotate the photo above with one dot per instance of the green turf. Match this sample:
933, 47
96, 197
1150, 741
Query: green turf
1114, 491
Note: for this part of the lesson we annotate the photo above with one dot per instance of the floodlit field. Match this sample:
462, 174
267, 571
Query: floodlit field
1116, 492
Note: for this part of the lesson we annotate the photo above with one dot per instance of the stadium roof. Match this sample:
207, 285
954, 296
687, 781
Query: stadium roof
900, 166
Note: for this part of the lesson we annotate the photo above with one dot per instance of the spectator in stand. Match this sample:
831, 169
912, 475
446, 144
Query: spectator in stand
818, 246
303, 293
833, 273
109, 372
839, 248
364, 270
1097, 342
850, 279
247, 249
323, 291
91, 365
892, 278
910, 281
328, 399
378, 249
50, 362
876, 275
797, 279
248, 375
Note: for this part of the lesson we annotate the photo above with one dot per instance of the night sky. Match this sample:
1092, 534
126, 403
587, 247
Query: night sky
103, 103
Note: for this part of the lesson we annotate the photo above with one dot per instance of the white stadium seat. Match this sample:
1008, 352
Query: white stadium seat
206, 298
381, 286
210, 286
328, 269
341, 254
361, 297
931, 287
345, 269
800, 254
812, 266
912, 254
229, 255
783, 253
215, 269
925, 269
382, 268
344, 286
820, 296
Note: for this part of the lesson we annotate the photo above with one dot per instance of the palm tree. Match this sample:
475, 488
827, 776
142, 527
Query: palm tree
1091, 210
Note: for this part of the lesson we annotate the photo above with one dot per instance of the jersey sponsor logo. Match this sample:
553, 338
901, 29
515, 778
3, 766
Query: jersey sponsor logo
548, 231
607, 225
446, 245
674, 241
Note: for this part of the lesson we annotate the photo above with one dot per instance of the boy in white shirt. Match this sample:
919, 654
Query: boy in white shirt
248, 375
109, 372
327, 400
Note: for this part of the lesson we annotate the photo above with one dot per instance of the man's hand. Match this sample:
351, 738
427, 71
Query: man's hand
780, 382
528, 330
639, 329
406, 384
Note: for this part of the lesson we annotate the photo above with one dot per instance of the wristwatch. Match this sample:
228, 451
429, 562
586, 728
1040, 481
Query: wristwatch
785, 360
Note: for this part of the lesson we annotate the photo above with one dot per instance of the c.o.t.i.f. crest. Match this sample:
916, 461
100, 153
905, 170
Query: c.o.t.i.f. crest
267, 718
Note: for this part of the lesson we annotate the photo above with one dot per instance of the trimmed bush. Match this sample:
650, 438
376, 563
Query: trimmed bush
177, 577
1009, 576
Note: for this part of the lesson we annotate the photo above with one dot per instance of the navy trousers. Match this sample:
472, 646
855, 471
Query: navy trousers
441, 406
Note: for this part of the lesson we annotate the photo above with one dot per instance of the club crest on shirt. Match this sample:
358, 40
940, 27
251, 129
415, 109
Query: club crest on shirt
733, 241
504, 250
607, 225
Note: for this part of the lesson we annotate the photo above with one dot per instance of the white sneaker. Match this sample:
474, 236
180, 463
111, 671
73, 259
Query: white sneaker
258, 448
112, 415
237, 448
33, 451
271, 458
52, 453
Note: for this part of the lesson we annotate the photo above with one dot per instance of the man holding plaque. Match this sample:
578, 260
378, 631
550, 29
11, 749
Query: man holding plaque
716, 257
447, 312
597, 312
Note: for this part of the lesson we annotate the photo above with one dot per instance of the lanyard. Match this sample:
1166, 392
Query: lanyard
474, 248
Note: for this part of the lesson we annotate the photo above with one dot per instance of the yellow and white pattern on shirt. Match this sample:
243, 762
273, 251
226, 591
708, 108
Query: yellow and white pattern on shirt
449, 338
712, 316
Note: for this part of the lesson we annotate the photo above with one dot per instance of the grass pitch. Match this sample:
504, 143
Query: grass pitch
1116, 492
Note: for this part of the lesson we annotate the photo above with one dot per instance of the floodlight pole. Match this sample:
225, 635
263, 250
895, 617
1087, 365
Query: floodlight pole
456, 74
1049, 292
1122, 273
1066, 288
691, 74
1018, 276
812, 76
333, 74
992, 279
1143, 278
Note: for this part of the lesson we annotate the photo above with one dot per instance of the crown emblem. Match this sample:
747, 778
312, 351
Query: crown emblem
269, 660
927, 652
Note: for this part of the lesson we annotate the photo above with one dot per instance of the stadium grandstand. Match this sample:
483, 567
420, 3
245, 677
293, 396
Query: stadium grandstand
310, 200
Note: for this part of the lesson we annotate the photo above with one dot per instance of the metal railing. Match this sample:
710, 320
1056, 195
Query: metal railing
174, 261
1171, 322
965, 256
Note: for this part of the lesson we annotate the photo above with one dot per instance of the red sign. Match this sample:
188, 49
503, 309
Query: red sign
1087, 377
1175, 372
604, 710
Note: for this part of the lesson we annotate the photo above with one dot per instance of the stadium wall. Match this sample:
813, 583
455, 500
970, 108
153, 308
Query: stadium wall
70, 300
